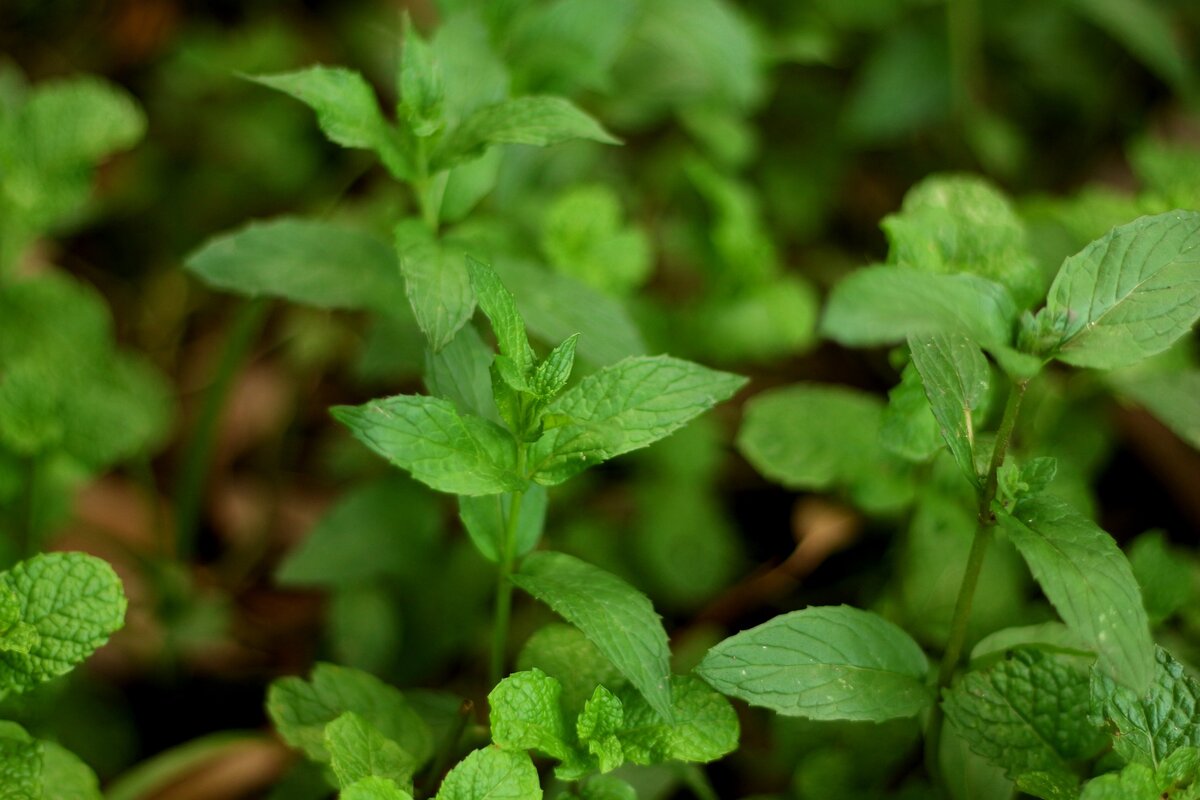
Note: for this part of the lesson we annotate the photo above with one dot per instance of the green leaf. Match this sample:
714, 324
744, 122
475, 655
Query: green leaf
301, 709
1049, 636
967, 775
421, 90
384, 528
606, 787
459, 372
584, 236
486, 520
74, 602
307, 261
617, 618
1165, 573
1172, 397
526, 715
551, 376
492, 774
427, 436
1147, 727
884, 305
15, 635
908, 428
533, 120
1134, 782
347, 111
557, 306
823, 663
599, 724
705, 726
74, 122
1128, 295
357, 750
20, 764
955, 375
1089, 581
65, 776
1026, 713
624, 407
501, 309
961, 223
436, 281
374, 788
564, 652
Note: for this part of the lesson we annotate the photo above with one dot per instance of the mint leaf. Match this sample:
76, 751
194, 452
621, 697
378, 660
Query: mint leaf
1165, 574
300, 711
436, 282
74, 602
374, 788
1134, 782
908, 428
420, 82
704, 728
357, 750
1026, 713
624, 407
1147, 727
486, 519
617, 618
533, 120
1049, 636
557, 306
1172, 397
307, 261
492, 774
526, 715
565, 653
551, 376
65, 776
599, 724
440, 448
1128, 295
15, 635
501, 309
459, 372
884, 305
72, 123
823, 663
955, 375
606, 787
1089, 581
961, 223
347, 111
20, 764
584, 236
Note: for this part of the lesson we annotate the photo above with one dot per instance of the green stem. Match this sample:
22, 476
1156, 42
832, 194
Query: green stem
194, 471
966, 591
965, 40
426, 188
504, 589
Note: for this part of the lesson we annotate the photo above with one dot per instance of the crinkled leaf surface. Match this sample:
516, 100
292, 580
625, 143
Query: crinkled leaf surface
599, 724
312, 262
460, 454
20, 764
492, 774
565, 653
1089, 581
74, 601
884, 305
357, 750
301, 709
1129, 294
705, 726
616, 617
526, 714
374, 788
624, 407
1027, 713
823, 663
1148, 727
955, 375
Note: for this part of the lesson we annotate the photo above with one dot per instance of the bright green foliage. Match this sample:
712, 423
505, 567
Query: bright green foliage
566, 654
627, 406
347, 111
306, 261
15, 635
955, 375
598, 727
884, 305
1176, 778
65, 776
908, 428
526, 714
1148, 727
823, 663
1166, 575
485, 519
501, 310
441, 448
1088, 579
1044, 636
459, 372
704, 726
606, 787
36, 770
615, 617
967, 775
420, 82
1173, 397
960, 223
1126, 296
357, 750
301, 710
1027, 713
584, 236
436, 279
374, 788
492, 774
73, 601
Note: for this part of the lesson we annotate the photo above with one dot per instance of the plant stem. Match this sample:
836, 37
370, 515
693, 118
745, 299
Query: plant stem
190, 487
504, 587
966, 591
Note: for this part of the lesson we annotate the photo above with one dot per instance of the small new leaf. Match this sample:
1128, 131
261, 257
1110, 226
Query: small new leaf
598, 725
421, 88
823, 663
617, 618
551, 376
492, 774
955, 374
501, 309
526, 714
705, 726
357, 750
435, 281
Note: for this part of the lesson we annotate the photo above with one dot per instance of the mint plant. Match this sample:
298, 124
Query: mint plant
1037, 703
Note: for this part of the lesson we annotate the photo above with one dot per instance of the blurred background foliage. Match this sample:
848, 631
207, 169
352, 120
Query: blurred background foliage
763, 143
